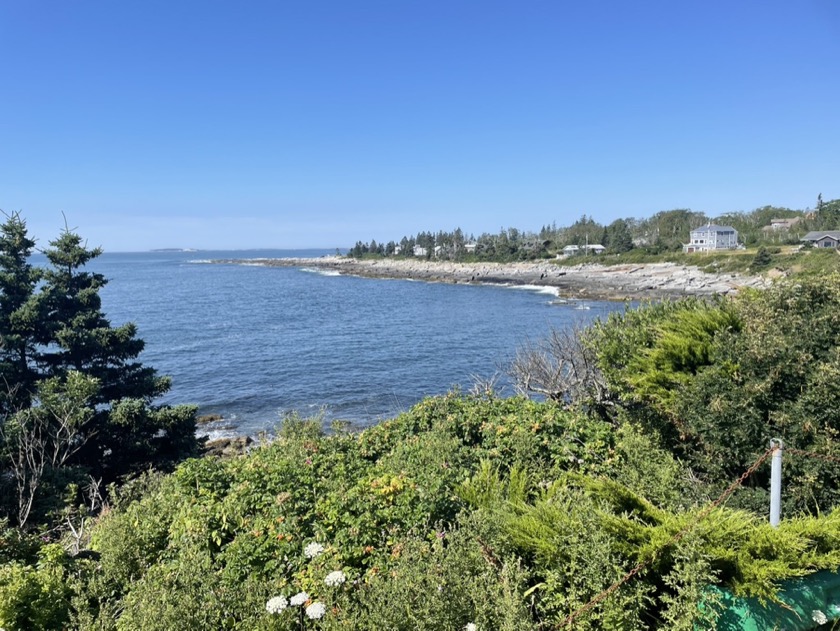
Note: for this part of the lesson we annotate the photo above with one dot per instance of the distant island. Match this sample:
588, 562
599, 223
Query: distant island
174, 250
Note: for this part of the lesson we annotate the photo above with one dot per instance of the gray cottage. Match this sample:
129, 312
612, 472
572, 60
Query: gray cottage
711, 237
823, 239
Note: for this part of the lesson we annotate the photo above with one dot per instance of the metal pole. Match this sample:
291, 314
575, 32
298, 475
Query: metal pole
776, 482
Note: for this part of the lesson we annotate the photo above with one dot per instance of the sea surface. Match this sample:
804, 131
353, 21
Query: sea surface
253, 343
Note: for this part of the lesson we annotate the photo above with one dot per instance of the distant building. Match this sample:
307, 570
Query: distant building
420, 251
711, 237
823, 239
782, 225
470, 247
574, 250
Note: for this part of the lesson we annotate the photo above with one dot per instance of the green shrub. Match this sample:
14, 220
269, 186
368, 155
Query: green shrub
35, 597
443, 584
501, 512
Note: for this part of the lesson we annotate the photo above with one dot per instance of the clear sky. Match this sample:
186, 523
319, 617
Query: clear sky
318, 123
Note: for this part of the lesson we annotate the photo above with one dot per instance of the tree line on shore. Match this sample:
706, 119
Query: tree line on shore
470, 510
665, 231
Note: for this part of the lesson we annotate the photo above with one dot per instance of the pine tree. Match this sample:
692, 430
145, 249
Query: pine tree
77, 334
53, 331
18, 318
620, 239
125, 432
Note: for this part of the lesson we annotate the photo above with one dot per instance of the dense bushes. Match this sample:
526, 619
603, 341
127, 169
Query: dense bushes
715, 382
36, 596
378, 502
477, 510
504, 513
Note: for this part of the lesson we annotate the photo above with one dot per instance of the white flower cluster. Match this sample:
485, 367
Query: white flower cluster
334, 579
316, 611
819, 617
298, 599
470, 627
276, 604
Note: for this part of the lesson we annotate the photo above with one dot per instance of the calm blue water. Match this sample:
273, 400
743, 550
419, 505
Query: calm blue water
253, 343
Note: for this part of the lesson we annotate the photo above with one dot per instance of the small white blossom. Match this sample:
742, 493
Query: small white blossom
471, 627
316, 611
298, 599
313, 549
819, 617
334, 579
276, 604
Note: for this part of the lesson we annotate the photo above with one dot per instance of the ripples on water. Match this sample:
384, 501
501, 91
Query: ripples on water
252, 343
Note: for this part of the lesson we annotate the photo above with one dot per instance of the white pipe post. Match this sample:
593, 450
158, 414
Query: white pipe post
776, 482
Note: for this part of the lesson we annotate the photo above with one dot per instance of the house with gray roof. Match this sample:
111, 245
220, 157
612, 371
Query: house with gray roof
711, 237
574, 250
823, 238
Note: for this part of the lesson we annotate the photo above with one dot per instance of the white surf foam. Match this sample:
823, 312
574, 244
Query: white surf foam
322, 272
540, 289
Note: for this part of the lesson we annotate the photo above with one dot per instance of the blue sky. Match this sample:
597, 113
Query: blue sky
316, 123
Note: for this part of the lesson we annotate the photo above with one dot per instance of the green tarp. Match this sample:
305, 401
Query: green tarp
809, 602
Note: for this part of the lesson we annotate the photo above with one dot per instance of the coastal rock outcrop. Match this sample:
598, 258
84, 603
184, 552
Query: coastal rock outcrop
590, 280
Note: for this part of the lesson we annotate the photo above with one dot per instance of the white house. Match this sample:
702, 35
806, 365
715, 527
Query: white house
420, 251
593, 248
711, 237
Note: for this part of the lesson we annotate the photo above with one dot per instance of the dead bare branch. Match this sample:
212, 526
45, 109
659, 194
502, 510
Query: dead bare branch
559, 367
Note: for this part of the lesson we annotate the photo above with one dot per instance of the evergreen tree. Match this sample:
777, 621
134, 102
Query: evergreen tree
762, 259
458, 241
828, 214
125, 432
54, 333
619, 238
77, 335
18, 321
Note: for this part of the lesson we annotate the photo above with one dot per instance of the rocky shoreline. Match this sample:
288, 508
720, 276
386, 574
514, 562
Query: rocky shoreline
590, 280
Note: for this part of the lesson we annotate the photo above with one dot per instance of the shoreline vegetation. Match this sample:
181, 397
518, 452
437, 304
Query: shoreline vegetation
585, 280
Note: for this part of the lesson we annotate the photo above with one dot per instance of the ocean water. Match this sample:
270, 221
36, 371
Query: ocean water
255, 343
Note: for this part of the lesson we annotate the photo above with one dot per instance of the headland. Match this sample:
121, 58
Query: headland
585, 280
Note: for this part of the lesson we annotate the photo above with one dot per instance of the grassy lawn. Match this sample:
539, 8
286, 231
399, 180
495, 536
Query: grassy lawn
787, 258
